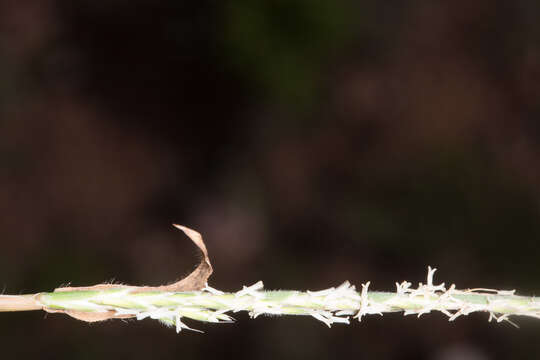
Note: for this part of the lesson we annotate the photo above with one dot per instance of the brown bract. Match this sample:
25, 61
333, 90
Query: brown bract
193, 282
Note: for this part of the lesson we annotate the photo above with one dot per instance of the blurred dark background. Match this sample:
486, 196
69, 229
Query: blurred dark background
310, 142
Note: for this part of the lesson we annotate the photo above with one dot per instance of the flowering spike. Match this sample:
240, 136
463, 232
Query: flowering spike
330, 306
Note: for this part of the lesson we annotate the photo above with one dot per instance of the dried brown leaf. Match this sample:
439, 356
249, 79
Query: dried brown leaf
193, 282
198, 278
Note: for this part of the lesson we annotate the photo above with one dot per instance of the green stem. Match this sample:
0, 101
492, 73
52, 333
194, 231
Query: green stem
330, 306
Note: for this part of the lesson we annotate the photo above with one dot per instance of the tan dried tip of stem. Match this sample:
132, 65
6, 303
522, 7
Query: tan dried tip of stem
19, 303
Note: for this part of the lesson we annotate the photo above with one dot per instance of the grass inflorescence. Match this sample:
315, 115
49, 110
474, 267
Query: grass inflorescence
192, 298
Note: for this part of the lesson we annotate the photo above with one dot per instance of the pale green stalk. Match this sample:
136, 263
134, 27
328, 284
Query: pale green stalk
333, 305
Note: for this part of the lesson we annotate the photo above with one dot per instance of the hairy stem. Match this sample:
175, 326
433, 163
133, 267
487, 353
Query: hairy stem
330, 306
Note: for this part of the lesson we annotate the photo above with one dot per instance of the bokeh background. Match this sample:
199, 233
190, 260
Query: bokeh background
310, 142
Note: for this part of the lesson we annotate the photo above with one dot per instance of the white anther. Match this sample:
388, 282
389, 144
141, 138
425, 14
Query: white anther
506, 292
364, 302
324, 292
251, 290
180, 325
211, 290
456, 315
